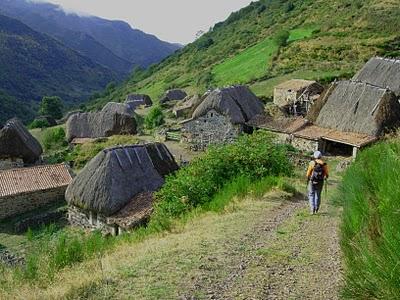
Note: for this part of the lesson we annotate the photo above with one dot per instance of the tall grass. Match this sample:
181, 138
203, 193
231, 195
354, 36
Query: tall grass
370, 231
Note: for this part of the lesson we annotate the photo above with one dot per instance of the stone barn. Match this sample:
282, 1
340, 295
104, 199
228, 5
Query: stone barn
114, 192
114, 119
221, 117
136, 100
173, 95
25, 189
296, 96
17, 146
382, 72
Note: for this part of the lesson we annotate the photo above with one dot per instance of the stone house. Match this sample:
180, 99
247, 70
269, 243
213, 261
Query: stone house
114, 191
296, 96
25, 189
17, 146
221, 117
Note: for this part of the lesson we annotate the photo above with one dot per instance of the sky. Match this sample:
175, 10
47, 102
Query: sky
170, 20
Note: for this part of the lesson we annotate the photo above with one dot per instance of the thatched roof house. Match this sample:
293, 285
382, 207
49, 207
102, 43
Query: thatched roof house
173, 95
297, 95
360, 108
114, 119
221, 117
26, 189
136, 100
382, 72
187, 106
16, 142
111, 184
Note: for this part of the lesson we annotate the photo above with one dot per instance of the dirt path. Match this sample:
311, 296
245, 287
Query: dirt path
268, 248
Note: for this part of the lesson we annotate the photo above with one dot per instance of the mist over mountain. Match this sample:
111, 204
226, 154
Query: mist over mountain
114, 44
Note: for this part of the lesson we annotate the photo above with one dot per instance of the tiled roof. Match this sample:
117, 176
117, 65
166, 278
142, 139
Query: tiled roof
350, 138
38, 178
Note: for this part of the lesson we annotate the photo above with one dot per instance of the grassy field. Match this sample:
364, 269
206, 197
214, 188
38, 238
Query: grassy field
246, 66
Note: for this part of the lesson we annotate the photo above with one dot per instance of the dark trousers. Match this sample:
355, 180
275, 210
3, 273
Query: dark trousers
314, 195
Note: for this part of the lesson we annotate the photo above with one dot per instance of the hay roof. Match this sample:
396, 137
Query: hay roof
295, 84
116, 175
236, 102
115, 118
172, 95
282, 124
38, 178
359, 107
17, 142
135, 100
383, 72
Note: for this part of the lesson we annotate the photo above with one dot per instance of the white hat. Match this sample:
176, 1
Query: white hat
317, 154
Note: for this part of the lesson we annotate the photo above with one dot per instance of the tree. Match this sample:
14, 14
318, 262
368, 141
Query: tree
51, 106
154, 118
281, 38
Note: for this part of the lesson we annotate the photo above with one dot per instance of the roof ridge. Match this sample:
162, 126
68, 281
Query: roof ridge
367, 83
34, 167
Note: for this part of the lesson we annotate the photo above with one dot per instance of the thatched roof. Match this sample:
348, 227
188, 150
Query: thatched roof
135, 100
359, 107
236, 102
17, 142
172, 95
296, 84
187, 106
115, 118
383, 72
115, 176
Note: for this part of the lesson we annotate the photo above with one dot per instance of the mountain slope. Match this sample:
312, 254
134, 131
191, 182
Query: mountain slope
33, 65
324, 40
111, 43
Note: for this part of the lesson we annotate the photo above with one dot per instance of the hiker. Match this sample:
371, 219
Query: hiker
317, 172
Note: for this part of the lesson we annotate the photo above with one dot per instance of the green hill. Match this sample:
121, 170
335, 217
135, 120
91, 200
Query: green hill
33, 65
325, 40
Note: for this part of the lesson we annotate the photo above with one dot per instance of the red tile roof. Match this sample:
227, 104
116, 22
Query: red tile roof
38, 178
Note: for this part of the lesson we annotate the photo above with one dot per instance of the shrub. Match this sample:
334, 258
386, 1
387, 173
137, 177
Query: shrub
154, 118
281, 38
51, 106
54, 138
39, 124
370, 238
253, 157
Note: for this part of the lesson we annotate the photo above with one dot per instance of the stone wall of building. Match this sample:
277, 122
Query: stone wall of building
305, 144
22, 203
284, 97
6, 164
90, 220
212, 128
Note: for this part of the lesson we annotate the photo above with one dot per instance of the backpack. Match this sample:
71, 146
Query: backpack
317, 175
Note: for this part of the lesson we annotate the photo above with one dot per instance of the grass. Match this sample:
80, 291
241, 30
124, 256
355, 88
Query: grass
301, 33
370, 238
246, 66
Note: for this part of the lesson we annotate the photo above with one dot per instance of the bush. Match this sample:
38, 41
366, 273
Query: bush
370, 238
154, 118
281, 38
253, 157
54, 138
51, 106
39, 124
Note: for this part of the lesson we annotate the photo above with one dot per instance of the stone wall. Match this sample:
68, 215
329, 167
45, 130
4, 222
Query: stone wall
18, 204
212, 128
6, 164
305, 144
284, 97
90, 220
